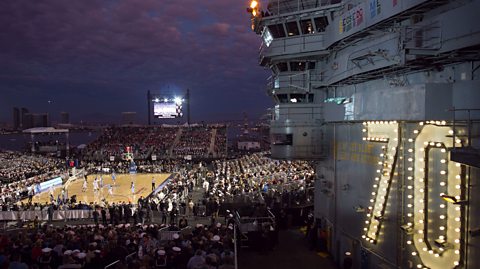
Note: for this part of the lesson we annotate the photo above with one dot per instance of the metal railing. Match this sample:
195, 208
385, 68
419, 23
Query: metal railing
423, 37
129, 256
235, 246
245, 223
287, 45
279, 7
165, 234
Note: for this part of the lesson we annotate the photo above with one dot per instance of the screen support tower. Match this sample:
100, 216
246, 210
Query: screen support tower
148, 108
187, 98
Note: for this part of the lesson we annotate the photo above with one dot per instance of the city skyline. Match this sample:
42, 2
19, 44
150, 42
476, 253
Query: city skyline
97, 59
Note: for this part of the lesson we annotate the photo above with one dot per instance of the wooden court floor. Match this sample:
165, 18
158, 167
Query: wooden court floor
121, 191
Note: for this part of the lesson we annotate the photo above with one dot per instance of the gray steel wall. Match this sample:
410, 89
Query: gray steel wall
345, 183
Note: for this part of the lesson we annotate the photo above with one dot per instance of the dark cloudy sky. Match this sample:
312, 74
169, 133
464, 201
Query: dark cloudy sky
97, 58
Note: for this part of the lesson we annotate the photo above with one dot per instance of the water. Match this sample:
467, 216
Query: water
19, 141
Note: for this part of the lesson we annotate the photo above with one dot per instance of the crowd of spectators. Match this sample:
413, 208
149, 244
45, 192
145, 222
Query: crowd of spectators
120, 229
16, 166
221, 142
113, 142
143, 166
238, 184
254, 181
160, 139
19, 171
255, 174
157, 140
96, 246
195, 141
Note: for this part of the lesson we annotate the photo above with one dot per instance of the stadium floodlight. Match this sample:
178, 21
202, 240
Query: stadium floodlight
293, 100
178, 100
254, 8
165, 100
156, 100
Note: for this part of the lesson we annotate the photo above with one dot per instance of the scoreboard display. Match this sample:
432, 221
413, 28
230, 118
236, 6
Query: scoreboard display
167, 108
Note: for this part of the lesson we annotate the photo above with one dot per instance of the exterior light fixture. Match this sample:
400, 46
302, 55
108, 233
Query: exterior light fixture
407, 228
453, 200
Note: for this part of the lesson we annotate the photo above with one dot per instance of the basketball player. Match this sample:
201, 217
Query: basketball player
84, 187
114, 177
64, 200
95, 185
110, 189
37, 188
132, 187
101, 181
30, 194
153, 183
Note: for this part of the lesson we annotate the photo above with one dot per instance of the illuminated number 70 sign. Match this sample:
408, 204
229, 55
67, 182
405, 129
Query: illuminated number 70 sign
433, 191
386, 133
435, 224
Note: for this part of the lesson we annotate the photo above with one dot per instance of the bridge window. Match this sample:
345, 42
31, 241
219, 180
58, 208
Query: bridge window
276, 83
292, 28
301, 98
307, 27
297, 66
282, 98
321, 23
267, 37
297, 98
311, 65
282, 67
277, 30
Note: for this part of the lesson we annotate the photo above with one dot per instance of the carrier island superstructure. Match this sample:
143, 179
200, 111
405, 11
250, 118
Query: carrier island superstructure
384, 96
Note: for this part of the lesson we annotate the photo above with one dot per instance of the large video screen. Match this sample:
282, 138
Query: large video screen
167, 110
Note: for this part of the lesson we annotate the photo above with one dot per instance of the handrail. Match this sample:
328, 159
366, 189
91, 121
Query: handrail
112, 264
117, 261
235, 245
272, 216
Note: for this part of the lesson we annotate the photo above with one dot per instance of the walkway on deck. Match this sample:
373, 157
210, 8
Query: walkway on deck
291, 253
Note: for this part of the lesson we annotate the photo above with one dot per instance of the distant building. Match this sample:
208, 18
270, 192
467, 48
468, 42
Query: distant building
32, 120
129, 117
23, 119
16, 118
64, 117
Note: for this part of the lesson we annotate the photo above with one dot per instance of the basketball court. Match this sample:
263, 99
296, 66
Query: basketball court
121, 190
